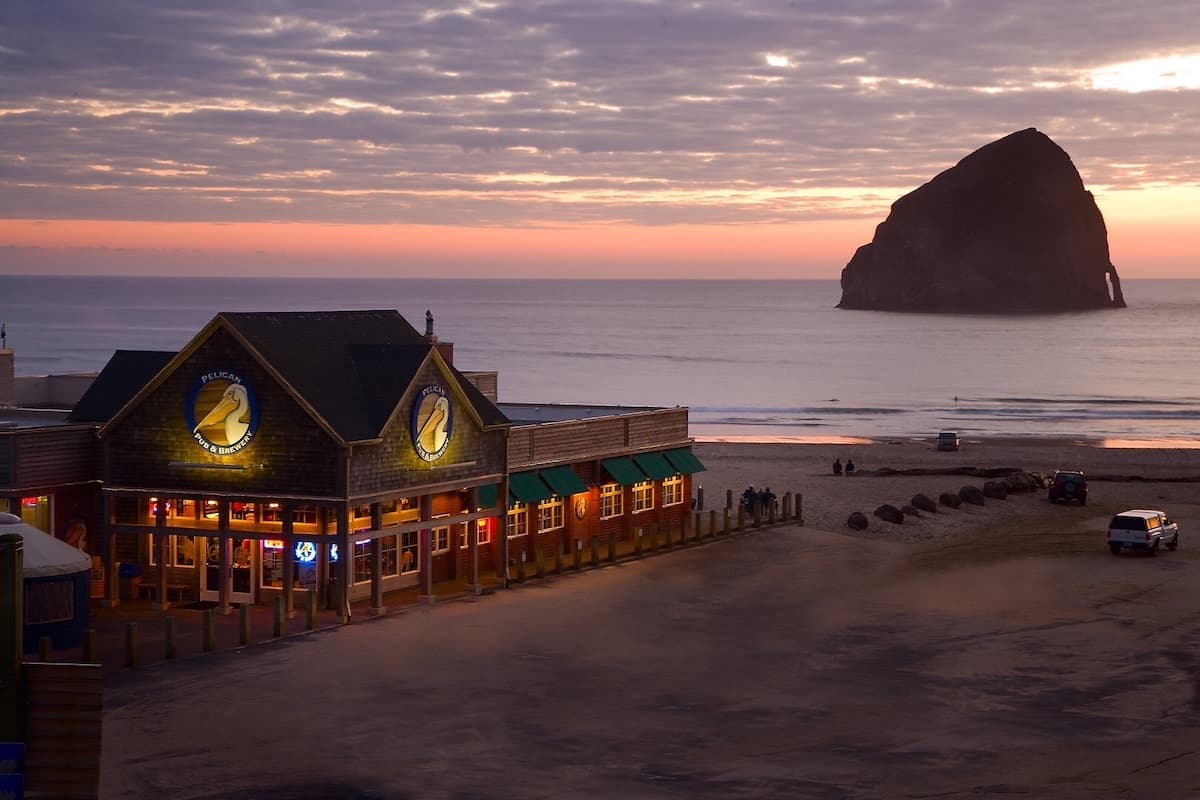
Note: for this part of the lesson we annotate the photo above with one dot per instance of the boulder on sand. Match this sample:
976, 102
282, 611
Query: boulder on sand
972, 495
924, 502
950, 500
889, 513
858, 521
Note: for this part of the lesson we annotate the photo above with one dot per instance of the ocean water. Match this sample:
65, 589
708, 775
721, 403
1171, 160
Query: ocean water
751, 359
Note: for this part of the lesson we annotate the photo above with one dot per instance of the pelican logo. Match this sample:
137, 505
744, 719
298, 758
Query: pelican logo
432, 423
222, 413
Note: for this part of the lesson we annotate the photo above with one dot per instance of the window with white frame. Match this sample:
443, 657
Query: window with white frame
672, 490
612, 501
409, 552
483, 531
550, 514
517, 521
439, 539
643, 496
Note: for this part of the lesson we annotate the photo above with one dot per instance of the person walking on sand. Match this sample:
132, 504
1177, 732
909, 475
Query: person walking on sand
849, 467
837, 466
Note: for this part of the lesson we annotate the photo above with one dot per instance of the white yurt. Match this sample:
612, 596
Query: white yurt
57, 580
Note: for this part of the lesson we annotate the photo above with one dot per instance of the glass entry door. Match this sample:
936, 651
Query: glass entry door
241, 571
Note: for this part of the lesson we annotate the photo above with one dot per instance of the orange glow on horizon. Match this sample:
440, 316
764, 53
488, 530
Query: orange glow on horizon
1141, 247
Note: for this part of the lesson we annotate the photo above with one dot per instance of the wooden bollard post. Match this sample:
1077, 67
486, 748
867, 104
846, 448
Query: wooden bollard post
697, 527
46, 649
595, 551
771, 514
725, 528
577, 555
521, 568
712, 522
729, 498
244, 624
741, 517
89, 647
637, 543
758, 509
787, 506
279, 616
131, 645
311, 620
799, 509
540, 560
170, 648
700, 498
558, 558
210, 630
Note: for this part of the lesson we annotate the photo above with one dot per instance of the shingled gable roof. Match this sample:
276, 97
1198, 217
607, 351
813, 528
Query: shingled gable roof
124, 374
351, 367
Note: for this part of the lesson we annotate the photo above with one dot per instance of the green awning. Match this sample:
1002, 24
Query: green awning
654, 465
685, 461
623, 471
526, 487
563, 481
485, 496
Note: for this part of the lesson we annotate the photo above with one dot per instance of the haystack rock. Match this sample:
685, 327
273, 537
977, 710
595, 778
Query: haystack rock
1010, 228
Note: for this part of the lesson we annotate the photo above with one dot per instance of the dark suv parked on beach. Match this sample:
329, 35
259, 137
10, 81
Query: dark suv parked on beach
1068, 484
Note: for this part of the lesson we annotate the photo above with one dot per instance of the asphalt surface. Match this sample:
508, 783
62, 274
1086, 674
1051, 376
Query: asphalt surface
785, 663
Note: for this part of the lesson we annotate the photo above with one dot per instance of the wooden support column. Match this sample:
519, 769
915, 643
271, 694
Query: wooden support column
289, 561
162, 555
425, 550
109, 541
473, 543
377, 608
344, 568
225, 584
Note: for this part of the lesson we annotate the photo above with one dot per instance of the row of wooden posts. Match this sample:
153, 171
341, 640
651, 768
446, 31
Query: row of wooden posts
170, 641
731, 519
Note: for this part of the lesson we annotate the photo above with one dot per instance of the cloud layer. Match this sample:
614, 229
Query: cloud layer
557, 113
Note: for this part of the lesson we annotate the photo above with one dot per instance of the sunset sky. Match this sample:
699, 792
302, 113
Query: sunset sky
572, 138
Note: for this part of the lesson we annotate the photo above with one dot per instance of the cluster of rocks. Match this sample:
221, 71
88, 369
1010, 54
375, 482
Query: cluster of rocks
1014, 481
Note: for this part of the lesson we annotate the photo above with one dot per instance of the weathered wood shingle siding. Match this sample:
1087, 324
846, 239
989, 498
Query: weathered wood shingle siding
393, 463
48, 457
290, 455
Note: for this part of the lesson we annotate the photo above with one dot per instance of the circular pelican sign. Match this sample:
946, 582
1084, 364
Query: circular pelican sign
222, 412
432, 422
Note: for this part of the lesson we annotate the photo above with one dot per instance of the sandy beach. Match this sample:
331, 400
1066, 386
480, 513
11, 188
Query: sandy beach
1118, 478
987, 651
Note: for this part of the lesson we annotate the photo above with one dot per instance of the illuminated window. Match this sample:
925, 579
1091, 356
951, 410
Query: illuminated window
181, 551
360, 518
550, 514
409, 548
672, 490
612, 501
517, 522
483, 533
362, 562
387, 556
643, 496
35, 511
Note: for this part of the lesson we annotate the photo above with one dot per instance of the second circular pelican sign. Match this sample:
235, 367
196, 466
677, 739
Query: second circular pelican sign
432, 422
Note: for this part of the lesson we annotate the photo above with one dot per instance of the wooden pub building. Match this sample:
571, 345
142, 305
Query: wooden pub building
342, 454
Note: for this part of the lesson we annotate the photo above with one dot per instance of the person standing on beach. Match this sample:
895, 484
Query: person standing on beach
837, 466
849, 467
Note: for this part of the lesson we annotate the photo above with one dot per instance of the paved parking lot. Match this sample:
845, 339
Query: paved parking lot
787, 663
